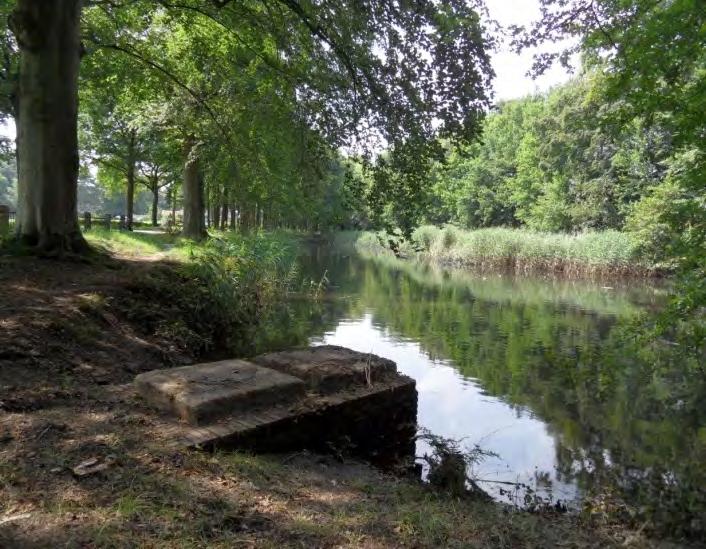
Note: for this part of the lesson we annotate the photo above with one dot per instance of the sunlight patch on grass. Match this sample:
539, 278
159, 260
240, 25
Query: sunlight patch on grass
138, 243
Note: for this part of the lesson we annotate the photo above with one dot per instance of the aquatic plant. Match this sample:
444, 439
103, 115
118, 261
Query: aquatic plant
607, 252
451, 466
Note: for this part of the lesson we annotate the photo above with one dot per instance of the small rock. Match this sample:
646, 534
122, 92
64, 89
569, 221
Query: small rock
93, 465
55, 470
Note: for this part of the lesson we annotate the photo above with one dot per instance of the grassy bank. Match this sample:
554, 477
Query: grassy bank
600, 253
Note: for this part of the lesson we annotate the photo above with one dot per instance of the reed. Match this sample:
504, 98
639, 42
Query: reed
591, 253
594, 253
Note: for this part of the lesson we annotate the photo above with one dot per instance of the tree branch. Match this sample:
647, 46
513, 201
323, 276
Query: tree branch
259, 55
132, 53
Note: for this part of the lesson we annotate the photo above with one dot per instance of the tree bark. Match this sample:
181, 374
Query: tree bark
174, 204
224, 215
48, 34
155, 202
194, 226
216, 215
131, 162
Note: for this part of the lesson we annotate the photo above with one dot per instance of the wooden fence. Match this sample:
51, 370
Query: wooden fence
87, 221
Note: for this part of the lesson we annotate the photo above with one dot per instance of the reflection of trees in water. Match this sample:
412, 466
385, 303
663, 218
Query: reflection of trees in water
618, 423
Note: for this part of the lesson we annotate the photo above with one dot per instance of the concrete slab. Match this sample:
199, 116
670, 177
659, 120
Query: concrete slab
320, 398
203, 393
378, 424
330, 368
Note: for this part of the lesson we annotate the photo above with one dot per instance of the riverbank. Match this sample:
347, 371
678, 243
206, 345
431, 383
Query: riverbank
73, 337
590, 254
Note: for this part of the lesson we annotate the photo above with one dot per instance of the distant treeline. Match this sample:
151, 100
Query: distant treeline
567, 161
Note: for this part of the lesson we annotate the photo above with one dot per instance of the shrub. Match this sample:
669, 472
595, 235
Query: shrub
449, 237
215, 301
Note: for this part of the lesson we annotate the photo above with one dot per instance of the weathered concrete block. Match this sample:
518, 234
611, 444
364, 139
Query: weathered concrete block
330, 368
379, 425
321, 398
206, 392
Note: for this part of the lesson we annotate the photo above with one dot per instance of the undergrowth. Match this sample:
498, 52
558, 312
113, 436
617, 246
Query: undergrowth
214, 301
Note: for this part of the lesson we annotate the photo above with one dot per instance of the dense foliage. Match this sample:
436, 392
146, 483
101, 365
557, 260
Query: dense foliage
243, 107
553, 163
561, 162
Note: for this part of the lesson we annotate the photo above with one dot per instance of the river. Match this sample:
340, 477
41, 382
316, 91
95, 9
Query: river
530, 369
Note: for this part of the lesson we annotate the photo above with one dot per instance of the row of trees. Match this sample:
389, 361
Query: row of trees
92, 196
244, 105
206, 123
247, 100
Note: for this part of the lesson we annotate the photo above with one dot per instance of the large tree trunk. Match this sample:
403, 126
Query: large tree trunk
194, 226
48, 34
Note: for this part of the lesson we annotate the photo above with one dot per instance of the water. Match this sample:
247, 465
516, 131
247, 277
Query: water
455, 406
533, 370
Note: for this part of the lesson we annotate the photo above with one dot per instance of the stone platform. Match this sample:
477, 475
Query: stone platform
319, 398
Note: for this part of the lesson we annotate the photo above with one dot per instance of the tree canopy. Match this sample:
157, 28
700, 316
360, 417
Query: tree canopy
265, 92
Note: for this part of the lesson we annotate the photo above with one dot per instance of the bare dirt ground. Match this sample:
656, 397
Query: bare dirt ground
67, 359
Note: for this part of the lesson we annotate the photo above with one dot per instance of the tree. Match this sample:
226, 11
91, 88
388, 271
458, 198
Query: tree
9, 74
556, 162
48, 36
653, 56
158, 169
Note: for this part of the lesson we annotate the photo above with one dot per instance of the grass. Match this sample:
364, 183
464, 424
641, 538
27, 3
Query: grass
193, 499
138, 243
207, 296
598, 253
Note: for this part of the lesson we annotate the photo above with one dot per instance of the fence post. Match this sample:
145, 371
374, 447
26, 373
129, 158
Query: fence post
4, 220
122, 225
86, 221
107, 220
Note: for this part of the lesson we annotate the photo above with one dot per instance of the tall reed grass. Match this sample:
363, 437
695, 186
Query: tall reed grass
598, 253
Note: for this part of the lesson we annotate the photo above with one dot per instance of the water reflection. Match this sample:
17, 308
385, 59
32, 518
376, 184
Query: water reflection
453, 406
535, 370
